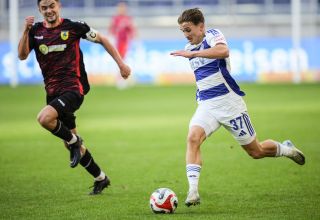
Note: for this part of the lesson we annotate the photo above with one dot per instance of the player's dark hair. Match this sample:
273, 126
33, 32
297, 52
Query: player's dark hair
40, 1
193, 15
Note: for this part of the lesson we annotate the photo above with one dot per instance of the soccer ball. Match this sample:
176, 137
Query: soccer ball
163, 200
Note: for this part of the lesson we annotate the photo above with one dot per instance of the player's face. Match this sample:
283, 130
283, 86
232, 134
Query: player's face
50, 10
194, 33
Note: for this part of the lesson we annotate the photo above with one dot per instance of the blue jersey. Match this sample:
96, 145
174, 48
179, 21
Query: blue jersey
212, 75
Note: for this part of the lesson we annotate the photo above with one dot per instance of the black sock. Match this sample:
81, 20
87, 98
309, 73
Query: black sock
62, 131
88, 163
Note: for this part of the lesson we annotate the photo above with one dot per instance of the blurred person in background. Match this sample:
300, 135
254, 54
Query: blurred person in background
220, 101
56, 45
123, 30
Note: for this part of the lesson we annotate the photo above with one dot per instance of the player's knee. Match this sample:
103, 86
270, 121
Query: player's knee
44, 119
193, 138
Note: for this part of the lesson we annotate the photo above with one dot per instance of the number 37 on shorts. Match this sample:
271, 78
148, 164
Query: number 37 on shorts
241, 126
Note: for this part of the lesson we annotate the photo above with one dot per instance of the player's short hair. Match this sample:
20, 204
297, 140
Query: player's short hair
193, 15
41, 0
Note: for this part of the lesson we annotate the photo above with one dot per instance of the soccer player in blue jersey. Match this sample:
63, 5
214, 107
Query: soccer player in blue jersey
220, 101
56, 42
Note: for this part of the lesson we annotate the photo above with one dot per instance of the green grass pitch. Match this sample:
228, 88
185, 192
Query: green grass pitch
138, 137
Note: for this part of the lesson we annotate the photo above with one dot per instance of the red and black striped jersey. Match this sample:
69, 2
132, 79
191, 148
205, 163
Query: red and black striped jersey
60, 58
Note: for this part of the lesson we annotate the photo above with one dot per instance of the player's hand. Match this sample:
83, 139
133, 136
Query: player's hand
28, 22
125, 71
183, 53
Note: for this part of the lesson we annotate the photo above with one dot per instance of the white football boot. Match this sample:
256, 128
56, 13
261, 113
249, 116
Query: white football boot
193, 198
297, 156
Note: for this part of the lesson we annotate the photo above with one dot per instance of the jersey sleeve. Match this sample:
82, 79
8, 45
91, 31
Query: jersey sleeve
86, 32
214, 37
81, 29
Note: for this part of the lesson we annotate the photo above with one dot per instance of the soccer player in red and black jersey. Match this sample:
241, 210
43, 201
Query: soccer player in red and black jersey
56, 44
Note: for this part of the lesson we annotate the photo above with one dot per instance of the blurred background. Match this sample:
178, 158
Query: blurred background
270, 40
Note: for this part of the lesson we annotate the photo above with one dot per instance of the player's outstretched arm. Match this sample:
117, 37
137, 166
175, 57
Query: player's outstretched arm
183, 53
23, 47
124, 69
220, 51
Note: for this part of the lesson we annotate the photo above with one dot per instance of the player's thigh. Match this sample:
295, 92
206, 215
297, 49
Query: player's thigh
66, 104
204, 119
240, 127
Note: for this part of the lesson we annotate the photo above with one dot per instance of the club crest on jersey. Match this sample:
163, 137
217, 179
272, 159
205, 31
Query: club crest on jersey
44, 49
64, 35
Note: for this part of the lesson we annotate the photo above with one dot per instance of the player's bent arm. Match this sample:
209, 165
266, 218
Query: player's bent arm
109, 48
219, 51
23, 47
98, 38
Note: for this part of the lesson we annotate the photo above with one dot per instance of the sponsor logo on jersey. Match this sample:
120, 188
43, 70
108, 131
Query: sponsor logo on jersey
198, 62
44, 49
64, 35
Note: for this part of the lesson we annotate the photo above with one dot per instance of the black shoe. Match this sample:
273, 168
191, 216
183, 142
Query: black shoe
98, 186
75, 154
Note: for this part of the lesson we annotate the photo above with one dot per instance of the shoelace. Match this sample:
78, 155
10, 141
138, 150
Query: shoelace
95, 185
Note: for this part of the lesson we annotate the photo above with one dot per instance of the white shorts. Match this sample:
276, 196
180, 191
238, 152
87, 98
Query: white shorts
229, 111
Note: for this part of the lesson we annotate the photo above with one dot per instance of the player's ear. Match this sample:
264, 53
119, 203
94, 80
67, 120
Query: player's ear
201, 26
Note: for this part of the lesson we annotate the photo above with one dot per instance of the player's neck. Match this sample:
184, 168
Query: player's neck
53, 25
199, 40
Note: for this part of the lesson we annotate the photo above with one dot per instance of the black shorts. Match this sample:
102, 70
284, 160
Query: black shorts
66, 104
